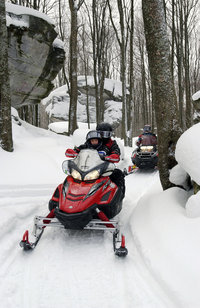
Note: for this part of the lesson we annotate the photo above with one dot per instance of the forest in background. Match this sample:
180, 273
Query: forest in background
152, 47
111, 44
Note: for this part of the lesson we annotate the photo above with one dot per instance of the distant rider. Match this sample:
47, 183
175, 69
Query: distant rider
147, 137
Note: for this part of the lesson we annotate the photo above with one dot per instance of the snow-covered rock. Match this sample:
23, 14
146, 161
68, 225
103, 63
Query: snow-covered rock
187, 152
187, 156
56, 105
179, 176
35, 58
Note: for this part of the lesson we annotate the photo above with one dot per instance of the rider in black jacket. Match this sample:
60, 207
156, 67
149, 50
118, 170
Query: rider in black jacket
105, 144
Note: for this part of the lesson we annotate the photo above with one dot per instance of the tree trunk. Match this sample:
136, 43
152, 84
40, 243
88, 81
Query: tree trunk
187, 71
131, 81
99, 30
73, 68
163, 89
123, 73
5, 101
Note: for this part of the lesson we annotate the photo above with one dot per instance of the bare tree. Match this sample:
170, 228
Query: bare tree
131, 78
85, 59
74, 7
99, 31
162, 83
61, 29
182, 18
5, 101
122, 39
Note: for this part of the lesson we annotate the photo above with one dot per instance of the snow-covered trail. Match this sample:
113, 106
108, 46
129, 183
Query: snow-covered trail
72, 269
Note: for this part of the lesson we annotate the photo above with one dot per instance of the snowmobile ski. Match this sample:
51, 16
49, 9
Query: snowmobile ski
26, 245
131, 169
37, 232
103, 224
121, 251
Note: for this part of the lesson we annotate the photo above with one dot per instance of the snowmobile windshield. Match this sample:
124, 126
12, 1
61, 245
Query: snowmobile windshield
87, 159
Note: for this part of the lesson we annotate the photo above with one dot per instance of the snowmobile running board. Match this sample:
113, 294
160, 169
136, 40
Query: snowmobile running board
42, 222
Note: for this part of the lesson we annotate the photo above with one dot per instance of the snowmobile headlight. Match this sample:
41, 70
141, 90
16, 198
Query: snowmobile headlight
76, 175
147, 148
93, 175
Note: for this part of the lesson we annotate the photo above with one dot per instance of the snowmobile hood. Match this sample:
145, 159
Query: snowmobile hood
77, 197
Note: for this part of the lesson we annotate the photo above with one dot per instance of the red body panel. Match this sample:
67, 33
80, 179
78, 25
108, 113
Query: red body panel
76, 199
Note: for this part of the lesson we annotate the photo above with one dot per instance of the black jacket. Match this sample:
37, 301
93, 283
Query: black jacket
109, 146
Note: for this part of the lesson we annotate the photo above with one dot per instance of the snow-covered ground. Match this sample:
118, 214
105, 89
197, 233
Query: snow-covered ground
78, 269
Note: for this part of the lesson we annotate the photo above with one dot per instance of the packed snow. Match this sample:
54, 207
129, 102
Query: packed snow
78, 269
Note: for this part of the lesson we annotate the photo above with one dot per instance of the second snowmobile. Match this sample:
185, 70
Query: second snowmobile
145, 157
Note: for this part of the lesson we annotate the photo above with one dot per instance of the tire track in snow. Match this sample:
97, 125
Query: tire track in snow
79, 267
17, 213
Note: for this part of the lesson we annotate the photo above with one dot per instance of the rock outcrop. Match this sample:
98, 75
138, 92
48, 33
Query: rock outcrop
34, 58
55, 107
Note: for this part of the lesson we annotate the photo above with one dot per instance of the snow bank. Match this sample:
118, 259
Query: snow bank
37, 156
187, 152
193, 206
169, 243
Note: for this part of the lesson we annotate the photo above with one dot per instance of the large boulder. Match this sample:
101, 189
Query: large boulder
55, 107
35, 56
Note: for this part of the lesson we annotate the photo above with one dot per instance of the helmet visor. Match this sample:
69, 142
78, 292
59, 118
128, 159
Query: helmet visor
93, 135
147, 129
106, 134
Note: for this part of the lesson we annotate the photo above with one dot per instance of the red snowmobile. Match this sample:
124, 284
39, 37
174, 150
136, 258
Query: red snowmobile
87, 199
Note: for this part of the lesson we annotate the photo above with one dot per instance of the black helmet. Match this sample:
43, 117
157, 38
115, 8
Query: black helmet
105, 129
147, 128
93, 134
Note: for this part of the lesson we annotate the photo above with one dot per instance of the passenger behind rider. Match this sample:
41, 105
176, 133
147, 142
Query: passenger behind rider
107, 147
147, 137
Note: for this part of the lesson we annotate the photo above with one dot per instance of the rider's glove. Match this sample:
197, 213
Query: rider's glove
113, 158
102, 154
71, 153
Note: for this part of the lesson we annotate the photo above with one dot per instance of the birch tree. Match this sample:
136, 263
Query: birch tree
5, 101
